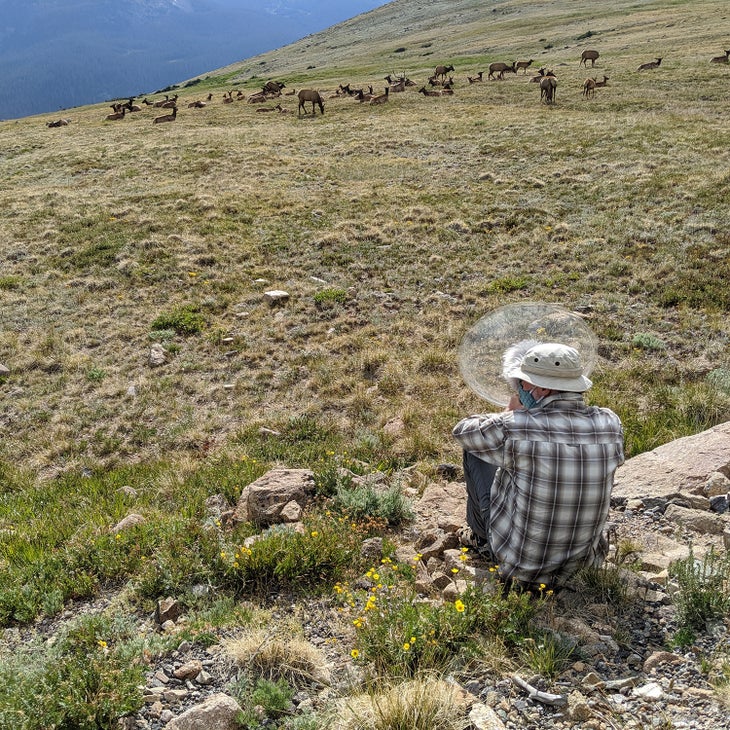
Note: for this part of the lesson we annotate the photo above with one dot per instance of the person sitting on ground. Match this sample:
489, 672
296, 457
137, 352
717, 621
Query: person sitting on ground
539, 475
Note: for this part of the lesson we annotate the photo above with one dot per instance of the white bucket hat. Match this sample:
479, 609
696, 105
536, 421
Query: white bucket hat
551, 365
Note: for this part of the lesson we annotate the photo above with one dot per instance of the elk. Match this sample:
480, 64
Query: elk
166, 117
228, 97
196, 104
273, 87
58, 123
380, 98
435, 92
540, 74
441, 71
362, 96
499, 68
721, 59
117, 114
589, 55
589, 88
650, 65
400, 86
547, 89
600, 84
312, 96
476, 79
210, 96
169, 104
524, 65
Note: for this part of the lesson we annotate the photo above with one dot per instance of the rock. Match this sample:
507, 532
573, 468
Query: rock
660, 657
168, 609
675, 468
483, 717
717, 484
131, 520
696, 520
263, 501
719, 504
650, 691
189, 670
3, 370
276, 296
372, 549
158, 355
219, 711
290, 512
442, 504
579, 710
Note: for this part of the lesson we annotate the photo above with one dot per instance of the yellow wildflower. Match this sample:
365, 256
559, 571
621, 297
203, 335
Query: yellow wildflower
354, 653
459, 606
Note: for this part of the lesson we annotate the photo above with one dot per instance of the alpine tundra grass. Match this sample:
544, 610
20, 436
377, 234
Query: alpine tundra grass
392, 228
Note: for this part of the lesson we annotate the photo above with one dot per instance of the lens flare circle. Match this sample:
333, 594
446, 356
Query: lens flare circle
481, 349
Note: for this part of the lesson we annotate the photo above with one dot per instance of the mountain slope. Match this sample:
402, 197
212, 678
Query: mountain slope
57, 53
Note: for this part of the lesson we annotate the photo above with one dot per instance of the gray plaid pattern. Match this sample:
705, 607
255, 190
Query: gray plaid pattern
551, 495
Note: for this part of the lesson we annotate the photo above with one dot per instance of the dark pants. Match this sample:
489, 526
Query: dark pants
479, 476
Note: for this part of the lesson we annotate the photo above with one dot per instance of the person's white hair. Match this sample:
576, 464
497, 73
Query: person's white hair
512, 359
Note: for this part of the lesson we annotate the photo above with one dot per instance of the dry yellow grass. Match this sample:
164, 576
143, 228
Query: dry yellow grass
422, 213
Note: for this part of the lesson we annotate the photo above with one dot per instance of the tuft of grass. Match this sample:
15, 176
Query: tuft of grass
703, 589
185, 320
647, 341
424, 703
268, 654
548, 655
366, 502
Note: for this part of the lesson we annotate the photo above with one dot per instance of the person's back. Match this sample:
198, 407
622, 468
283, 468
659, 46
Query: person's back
551, 494
555, 486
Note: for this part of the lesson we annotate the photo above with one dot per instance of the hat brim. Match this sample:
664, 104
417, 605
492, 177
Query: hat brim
578, 384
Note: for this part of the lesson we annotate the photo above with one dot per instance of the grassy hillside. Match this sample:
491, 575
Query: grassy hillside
393, 228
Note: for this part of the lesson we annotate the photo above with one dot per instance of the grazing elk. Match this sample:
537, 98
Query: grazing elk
310, 95
650, 65
721, 59
500, 68
441, 72
589, 88
589, 55
547, 89
524, 65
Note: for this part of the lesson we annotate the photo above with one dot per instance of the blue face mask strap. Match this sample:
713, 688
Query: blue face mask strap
526, 398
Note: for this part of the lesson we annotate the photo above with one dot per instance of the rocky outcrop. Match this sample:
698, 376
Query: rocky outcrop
278, 496
694, 465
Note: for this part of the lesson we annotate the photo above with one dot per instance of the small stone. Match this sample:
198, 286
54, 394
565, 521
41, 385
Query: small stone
158, 355
276, 296
650, 691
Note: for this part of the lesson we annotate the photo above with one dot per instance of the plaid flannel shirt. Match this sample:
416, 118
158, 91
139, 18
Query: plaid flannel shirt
551, 495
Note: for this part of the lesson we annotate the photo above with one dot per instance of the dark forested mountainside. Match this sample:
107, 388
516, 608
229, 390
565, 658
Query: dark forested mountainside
57, 54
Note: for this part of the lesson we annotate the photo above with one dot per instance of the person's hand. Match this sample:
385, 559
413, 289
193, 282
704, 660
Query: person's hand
514, 403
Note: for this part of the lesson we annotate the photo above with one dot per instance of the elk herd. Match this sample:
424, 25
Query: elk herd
440, 83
